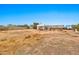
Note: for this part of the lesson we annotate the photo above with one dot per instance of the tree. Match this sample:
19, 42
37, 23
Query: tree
11, 26
34, 26
27, 26
24, 26
75, 27
2, 27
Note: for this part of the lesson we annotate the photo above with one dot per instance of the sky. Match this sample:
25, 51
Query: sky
65, 14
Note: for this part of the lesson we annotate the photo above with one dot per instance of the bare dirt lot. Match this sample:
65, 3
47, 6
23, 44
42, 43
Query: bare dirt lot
34, 42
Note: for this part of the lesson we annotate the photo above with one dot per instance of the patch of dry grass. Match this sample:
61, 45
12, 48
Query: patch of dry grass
38, 42
14, 45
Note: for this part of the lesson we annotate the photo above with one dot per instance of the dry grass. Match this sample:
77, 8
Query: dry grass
38, 42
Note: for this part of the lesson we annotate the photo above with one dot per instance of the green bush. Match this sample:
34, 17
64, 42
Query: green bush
75, 27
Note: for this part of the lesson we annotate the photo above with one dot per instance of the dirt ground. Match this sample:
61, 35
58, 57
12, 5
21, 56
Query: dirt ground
35, 42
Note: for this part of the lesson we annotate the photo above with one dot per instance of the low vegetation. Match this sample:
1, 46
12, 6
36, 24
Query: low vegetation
16, 27
76, 26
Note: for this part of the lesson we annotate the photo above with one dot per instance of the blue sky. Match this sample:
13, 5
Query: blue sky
42, 13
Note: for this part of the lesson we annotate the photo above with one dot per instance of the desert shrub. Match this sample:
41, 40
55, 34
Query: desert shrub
37, 39
27, 36
3, 28
3, 39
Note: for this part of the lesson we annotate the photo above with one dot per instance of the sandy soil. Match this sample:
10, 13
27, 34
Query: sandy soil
35, 42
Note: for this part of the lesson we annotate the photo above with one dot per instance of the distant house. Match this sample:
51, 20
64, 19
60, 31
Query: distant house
54, 27
41, 27
68, 26
50, 27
